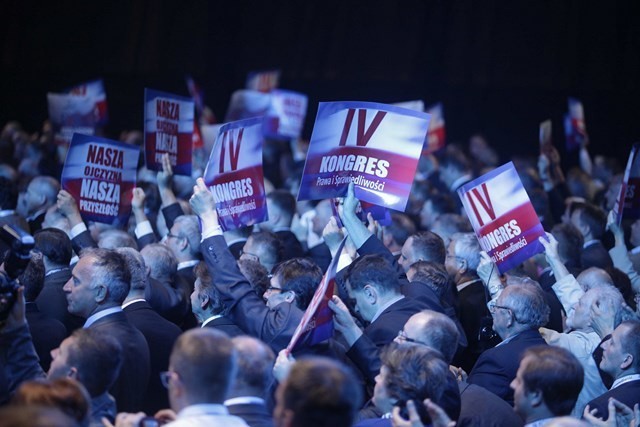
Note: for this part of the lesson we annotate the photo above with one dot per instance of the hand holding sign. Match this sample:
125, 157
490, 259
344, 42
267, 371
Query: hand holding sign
165, 176
332, 235
343, 322
202, 203
68, 207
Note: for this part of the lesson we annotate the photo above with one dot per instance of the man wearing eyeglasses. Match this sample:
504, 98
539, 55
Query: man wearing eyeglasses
517, 314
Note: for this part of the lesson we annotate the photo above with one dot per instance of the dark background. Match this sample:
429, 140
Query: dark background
499, 67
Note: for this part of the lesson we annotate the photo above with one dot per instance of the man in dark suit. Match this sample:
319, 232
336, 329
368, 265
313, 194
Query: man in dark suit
621, 360
274, 326
55, 247
96, 291
462, 260
162, 292
517, 314
47, 332
246, 399
547, 384
39, 195
160, 333
207, 304
591, 221
281, 206
8, 214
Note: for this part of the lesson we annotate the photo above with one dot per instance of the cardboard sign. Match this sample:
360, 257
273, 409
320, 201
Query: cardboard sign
574, 125
291, 109
101, 174
628, 203
316, 325
436, 134
375, 146
71, 114
246, 104
168, 128
263, 81
234, 174
95, 91
502, 217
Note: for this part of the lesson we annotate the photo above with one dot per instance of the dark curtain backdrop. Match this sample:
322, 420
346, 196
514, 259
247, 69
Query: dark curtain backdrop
499, 66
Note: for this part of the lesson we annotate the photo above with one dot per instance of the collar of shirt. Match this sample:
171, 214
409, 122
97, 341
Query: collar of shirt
203, 409
635, 251
244, 400
99, 315
463, 285
625, 379
127, 304
458, 182
539, 423
385, 306
6, 212
210, 319
506, 340
186, 264
589, 243
55, 270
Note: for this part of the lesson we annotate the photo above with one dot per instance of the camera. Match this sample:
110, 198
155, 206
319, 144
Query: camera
15, 261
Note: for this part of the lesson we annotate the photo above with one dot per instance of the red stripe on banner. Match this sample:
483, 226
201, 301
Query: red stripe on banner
508, 228
369, 161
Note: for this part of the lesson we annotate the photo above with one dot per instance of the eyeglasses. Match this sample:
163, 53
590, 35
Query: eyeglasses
169, 235
493, 307
402, 336
165, 377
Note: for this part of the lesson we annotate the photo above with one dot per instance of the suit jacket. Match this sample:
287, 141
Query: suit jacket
385, 328
596, 255
168, 301
254, 414
321, 255
627, 393
160, 334
481, 408
225, 325
47, 333
185, 280
290, 244
83, 241
52, 300
497, 367
246, 309
35, 223
473, 308
131, 385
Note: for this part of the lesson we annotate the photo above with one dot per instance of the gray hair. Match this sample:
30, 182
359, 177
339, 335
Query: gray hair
161, 261
137, 267
190, 229
113, 239
525, 297
467, 247
110, 270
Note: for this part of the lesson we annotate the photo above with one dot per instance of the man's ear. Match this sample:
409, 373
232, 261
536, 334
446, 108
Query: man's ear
627, 361
73, 373
290, 296
286, 418
204, 301
462, 265
101, 293
370, 293
534, 397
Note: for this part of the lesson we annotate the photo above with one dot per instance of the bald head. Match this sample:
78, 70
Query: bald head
593, 277
433, 329
255, 366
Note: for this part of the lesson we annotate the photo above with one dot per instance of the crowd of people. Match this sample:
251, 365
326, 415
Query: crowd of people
173, 321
